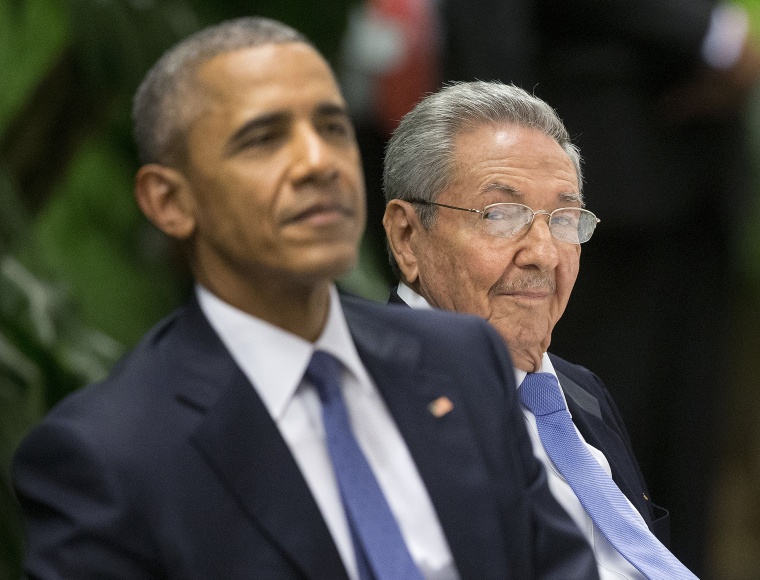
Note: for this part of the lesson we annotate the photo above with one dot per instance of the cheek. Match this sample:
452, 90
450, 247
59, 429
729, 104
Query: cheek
351, 167
461, 278
567, 273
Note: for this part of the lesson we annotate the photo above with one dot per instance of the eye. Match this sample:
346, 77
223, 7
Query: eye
262, 138
565, 220
562, 221
338, 128
506, 220
506, 211
259, 140
494, 214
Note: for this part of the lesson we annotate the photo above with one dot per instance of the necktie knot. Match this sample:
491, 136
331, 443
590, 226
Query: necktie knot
324, 372
540, 393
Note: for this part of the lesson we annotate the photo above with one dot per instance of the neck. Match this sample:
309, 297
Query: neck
528, 360
299, 307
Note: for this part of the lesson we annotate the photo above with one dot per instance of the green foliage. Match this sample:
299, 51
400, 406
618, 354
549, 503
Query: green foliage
32, 34
45, 353
92, 237
748, 238
74, 253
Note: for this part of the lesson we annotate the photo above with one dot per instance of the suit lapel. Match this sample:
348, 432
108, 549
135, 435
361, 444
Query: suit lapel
587, 416
460, 490
241, 443
581, 397
394, 298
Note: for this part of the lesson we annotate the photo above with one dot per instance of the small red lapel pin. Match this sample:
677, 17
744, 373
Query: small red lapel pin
440, 407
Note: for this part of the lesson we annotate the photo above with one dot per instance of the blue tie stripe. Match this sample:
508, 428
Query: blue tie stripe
597, 492
378, 542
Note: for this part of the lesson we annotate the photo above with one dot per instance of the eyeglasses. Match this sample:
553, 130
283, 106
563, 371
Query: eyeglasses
507, 220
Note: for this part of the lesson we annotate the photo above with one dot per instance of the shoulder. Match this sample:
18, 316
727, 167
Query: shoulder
457, 342
443, 326
357, 306
133, 396
463, 347
85, 475
589, 382
578, 374
593, 385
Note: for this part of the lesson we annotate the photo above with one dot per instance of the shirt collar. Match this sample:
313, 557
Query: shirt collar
546, 367
275, 360
411, 297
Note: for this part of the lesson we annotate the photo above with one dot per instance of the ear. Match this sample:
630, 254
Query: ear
163, 196
401, 226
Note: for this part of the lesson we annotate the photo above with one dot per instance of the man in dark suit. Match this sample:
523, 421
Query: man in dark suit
652, 92
485, 216
271, 428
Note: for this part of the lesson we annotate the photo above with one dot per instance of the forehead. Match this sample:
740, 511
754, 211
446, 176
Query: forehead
522, 158
252, 81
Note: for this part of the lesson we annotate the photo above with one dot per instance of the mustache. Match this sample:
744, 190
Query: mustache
530, 282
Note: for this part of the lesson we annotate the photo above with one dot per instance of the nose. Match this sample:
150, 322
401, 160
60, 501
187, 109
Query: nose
538, 247
312, 156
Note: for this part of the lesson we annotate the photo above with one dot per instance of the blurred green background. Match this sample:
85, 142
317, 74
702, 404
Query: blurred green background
82, 273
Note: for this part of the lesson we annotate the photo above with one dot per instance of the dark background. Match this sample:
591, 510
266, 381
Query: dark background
83, 275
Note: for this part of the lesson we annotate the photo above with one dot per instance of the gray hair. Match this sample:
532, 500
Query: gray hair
419, 155
161, 99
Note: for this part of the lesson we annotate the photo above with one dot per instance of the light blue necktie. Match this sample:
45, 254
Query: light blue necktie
381, 553
597, 492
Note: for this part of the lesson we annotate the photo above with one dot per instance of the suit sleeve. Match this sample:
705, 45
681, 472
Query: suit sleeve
559, 549
77, 514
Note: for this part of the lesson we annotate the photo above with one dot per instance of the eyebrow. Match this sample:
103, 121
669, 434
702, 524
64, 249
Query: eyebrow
278, 118
572, 198
511, 191
503, 188
260, 122
330, 109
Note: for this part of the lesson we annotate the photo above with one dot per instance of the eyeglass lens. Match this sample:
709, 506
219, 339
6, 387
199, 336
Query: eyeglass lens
506, 220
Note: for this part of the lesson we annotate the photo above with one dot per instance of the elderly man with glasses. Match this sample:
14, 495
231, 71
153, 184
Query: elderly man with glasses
485, 216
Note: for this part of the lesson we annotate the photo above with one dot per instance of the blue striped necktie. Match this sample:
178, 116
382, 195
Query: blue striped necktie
381, 553
597, 492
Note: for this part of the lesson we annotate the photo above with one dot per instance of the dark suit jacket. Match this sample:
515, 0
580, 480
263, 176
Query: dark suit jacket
173, 468
599, 421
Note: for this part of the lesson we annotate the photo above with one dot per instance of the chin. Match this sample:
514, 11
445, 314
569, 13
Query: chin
523, 340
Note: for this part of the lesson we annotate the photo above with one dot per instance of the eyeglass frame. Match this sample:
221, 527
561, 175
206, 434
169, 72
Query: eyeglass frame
481, 212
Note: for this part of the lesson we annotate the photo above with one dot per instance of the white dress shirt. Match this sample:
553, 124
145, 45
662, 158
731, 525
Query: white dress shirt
275, 361
610, 563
